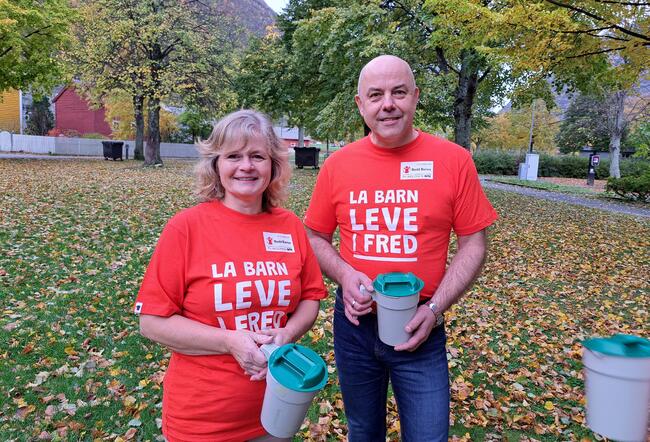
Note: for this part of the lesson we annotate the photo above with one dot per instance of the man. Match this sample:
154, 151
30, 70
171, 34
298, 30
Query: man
395, 196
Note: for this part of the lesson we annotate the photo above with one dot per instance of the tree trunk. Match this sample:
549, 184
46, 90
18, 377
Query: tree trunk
152, 150
301, 136
465, 93
616, 123
138, 114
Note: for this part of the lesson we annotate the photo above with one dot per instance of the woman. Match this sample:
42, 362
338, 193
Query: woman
227, 275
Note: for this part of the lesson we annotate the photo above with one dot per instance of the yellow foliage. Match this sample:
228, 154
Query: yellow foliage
120, 116
511, 130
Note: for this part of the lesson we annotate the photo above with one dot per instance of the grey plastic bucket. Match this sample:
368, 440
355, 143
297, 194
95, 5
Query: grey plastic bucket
397, 295
295, 375
617, 383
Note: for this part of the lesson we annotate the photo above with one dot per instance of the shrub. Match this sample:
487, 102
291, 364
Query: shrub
631, 187
94, 136
564, 166
634, 167
498, 163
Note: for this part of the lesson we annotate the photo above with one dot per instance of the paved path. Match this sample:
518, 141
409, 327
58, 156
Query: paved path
35, 156
569, 199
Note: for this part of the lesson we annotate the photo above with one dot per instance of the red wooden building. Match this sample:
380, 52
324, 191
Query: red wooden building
289, 136
72, 113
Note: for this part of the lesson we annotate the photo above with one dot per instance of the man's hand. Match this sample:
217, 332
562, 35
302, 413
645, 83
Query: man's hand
421, 326
356, 302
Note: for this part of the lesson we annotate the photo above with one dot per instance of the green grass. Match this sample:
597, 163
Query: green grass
75, 237
544, 185
574, 190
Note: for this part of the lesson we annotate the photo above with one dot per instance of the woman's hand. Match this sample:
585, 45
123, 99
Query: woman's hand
280, 336
243, 345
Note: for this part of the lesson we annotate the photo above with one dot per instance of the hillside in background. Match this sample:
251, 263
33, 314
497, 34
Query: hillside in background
253, 15
563, 98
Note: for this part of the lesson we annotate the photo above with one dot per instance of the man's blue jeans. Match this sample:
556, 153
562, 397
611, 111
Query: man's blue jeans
420, 381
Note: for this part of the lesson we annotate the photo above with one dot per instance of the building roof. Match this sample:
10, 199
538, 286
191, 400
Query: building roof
288, 133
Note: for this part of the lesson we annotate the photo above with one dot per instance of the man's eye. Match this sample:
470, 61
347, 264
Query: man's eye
400, 93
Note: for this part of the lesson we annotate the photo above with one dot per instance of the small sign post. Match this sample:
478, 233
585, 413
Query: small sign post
594, 160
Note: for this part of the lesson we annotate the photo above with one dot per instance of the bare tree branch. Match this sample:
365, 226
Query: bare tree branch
623, 3
603, 51
484, 74
601, 19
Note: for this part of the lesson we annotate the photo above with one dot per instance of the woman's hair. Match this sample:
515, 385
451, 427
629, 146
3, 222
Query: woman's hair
235, 130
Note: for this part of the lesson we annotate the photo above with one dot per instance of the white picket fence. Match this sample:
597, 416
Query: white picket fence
82, 146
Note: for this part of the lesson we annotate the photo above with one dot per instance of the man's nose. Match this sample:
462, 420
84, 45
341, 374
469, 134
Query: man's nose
388, 103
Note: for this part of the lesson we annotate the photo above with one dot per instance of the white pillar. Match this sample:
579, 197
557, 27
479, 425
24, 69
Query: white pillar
532, 163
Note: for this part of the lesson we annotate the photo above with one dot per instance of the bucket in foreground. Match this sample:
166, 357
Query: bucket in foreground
397, 295
295, 375
617, 383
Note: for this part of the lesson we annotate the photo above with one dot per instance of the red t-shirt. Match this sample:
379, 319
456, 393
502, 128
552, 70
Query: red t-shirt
395, 208
226, 269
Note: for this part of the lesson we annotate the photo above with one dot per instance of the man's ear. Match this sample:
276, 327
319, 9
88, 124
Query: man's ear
357, 100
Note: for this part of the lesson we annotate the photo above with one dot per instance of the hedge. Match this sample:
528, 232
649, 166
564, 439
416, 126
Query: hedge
631, 187
564, 166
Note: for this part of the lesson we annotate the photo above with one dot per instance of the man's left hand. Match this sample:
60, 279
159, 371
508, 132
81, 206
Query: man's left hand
421, 326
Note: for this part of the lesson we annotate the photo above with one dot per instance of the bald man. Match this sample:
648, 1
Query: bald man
395, 196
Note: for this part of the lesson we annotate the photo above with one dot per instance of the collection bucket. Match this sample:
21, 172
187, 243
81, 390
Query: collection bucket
397, 295
295, 375
617, 383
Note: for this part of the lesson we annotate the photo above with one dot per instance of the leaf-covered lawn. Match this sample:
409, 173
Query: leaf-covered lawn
75, 237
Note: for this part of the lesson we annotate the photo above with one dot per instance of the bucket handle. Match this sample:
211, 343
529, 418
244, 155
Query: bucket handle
363, 291
268, 349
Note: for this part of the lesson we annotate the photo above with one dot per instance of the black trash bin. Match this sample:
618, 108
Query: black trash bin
112, 150
306, 156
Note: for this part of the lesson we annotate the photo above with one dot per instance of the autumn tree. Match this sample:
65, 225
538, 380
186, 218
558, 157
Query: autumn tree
106, 57
583, 126
120, 115
640, 140
274, 78
31, 35
511, 130
600, 47
333, 40
39, 117
195, 123
177, 51
264, 79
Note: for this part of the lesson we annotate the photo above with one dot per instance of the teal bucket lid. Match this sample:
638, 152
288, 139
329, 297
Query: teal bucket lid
398, 284
298, 368
628, 346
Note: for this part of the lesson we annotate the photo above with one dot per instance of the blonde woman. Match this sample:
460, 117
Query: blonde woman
229, 274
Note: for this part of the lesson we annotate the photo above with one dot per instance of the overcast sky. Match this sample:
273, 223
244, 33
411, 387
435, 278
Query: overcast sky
277, 5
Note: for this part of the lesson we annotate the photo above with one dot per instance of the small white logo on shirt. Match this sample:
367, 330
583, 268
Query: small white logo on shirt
416, 170
278, 242
138, 308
